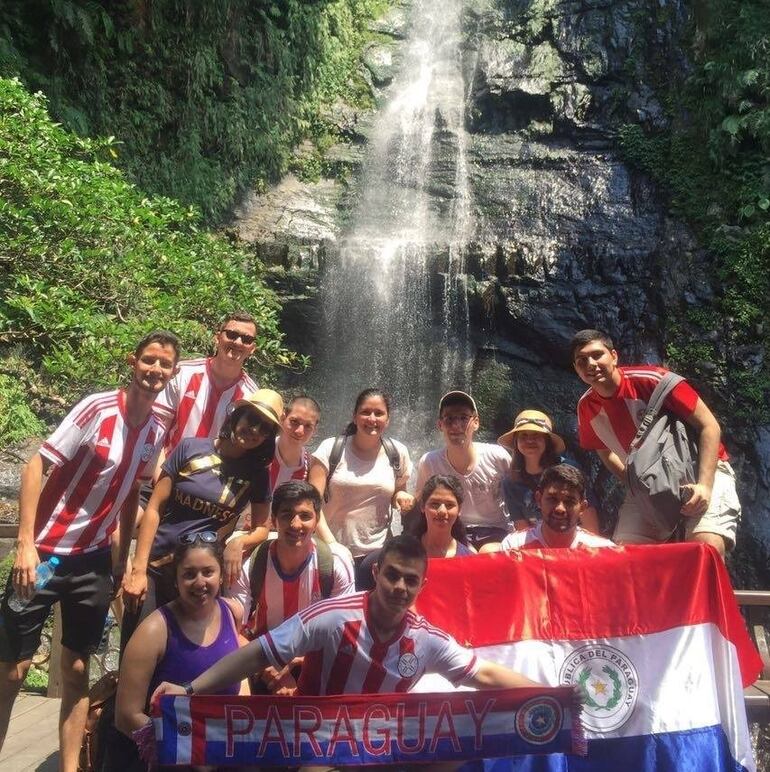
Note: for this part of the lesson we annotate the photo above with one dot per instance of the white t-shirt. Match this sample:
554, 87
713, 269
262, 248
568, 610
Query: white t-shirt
532, 538
283, 595
482, 486
360, 492
342, 656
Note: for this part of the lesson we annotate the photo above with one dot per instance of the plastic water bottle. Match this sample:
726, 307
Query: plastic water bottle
43, 574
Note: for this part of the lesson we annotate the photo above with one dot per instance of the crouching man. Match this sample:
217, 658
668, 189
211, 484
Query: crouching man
353, 644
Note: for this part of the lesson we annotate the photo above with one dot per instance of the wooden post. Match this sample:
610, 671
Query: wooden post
54, 663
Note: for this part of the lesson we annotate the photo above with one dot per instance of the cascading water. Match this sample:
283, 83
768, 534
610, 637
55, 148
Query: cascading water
395, 306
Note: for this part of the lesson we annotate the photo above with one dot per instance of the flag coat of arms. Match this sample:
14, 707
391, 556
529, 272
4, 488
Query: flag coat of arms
651, 633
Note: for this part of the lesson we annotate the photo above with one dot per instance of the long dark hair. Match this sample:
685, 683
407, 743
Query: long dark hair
549, 458
263, 454
350, 429
419, 523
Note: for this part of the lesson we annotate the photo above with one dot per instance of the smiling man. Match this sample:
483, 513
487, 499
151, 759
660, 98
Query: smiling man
97, 458
610, 413
362, 643
560, 495
481, 468
288, 573
195, 401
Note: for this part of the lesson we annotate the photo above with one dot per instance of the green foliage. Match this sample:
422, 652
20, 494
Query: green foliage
17, 421
89, 264
204, 98
36, 680
715, 163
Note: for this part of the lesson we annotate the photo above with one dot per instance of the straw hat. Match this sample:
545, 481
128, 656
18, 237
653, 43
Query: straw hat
266, 402
532, 421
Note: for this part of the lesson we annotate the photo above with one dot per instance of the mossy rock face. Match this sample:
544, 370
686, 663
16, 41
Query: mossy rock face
378, 59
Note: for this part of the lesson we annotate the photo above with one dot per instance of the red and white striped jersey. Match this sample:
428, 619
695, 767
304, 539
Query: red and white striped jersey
611, 422
97, 457
280, 472
344, 656
532, 539
283, 595
193, 406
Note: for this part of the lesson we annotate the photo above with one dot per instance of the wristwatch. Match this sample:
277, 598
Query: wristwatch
188, 688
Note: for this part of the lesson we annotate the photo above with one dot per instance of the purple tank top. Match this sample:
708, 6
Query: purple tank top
184, 660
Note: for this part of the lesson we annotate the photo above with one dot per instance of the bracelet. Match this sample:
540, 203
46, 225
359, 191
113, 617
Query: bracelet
188, 688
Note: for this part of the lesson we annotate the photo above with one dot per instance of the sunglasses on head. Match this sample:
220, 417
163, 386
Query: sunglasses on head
233, 335
536, 421
207, 537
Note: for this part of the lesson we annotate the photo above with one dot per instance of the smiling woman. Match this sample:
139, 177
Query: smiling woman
363, 482
205, 486
179, 641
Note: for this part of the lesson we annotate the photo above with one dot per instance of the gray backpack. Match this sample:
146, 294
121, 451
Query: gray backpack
663, 457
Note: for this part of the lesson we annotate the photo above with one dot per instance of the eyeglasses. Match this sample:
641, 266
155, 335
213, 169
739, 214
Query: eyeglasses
536, 421
295, 423
207, 537
461, 420
233, 335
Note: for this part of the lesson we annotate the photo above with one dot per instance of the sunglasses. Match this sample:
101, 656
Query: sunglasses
536, 421
233, 335
207, 537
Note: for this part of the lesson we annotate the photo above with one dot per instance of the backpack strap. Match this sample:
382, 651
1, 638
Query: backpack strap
394, 457
258, 570
334, 460
666, 385
325, 567
257, 574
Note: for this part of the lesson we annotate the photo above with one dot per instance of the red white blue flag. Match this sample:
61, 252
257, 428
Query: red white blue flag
653, 635
366, 729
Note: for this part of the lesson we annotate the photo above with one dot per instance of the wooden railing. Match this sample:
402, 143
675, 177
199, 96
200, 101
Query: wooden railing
755, 605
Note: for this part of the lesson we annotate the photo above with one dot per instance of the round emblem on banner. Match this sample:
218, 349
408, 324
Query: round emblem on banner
407, 665
538, 720
609, 681
147, 451
184, 728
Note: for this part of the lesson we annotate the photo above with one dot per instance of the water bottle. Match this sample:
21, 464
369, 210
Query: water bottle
43, 574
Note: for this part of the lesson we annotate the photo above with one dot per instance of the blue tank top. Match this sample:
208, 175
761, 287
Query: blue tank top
184, 660
462, 550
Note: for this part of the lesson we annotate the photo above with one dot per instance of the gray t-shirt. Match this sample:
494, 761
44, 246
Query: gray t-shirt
483, 503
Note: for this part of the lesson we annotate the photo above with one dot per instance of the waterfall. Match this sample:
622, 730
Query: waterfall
394, 296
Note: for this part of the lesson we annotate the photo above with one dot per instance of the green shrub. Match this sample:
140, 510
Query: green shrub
713, 162
89, 264
205, 98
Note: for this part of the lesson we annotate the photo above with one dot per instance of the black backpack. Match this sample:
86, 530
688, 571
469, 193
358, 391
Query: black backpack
258, 570
339, 446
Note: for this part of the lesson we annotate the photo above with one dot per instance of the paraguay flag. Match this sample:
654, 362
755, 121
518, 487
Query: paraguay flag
652, 634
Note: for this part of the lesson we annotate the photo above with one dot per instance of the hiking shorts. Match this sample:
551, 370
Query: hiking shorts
721, 517
83, 586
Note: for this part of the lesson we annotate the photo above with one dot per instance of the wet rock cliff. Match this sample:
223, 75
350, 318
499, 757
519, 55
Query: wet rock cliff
565, 235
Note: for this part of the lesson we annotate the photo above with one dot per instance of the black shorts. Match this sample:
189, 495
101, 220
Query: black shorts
83, 586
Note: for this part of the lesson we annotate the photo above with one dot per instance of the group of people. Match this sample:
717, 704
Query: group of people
240, 529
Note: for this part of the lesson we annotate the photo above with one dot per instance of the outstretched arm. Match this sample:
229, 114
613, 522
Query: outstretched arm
230, 669
490, 675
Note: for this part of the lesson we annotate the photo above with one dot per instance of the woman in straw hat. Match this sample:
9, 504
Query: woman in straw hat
535, 446
205, 486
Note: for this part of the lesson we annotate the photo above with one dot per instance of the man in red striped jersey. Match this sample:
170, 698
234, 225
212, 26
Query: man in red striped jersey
609, 414
362, 643
97, 458
291, 578
195, 401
